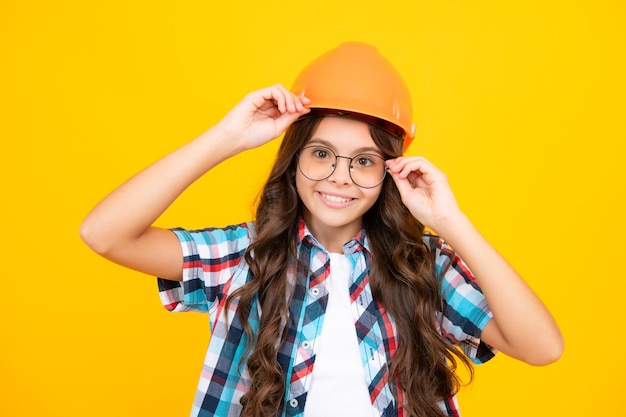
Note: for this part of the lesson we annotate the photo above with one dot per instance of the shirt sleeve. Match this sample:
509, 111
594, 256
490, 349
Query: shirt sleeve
210, 259
465, 311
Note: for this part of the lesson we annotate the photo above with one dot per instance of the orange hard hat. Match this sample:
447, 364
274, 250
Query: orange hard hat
354, 79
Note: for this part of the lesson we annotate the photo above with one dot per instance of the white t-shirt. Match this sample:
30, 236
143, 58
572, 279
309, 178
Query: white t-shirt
338, 385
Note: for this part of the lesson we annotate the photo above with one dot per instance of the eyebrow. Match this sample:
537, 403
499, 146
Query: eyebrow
365, 149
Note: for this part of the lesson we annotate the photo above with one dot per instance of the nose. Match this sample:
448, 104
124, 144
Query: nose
341, 175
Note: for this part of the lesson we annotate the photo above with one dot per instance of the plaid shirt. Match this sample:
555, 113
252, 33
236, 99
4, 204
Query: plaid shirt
214, 266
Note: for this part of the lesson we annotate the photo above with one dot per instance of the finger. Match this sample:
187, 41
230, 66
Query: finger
292, 103
280, 98
403, 184
414, 179
286, 119
401, 161
302, 102
415, 168
283, 99
265, 98
271, 97
403, 166
295, 103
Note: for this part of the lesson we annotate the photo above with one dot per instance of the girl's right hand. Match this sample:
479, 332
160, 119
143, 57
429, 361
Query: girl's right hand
261, 116
120, 226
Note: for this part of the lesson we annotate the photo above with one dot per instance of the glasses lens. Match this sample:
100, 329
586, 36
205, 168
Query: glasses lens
367, 170
318, 163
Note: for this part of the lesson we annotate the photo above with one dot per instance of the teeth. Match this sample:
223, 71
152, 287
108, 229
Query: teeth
336, 199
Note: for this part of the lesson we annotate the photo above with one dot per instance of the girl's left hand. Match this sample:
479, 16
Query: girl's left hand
522, 327
424, 190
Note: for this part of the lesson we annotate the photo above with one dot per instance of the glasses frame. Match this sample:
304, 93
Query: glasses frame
350, 168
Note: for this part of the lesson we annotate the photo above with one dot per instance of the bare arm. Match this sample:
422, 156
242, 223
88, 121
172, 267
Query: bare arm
120, 226
522, 327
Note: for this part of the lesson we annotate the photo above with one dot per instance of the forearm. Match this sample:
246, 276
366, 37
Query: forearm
120, 226
128, 212
522, 326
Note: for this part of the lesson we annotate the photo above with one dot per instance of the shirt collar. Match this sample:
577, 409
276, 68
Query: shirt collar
357, 243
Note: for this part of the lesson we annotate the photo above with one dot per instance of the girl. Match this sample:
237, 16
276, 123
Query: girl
334, 301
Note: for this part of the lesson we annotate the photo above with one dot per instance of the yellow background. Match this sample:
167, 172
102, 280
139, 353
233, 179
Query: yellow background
521, 103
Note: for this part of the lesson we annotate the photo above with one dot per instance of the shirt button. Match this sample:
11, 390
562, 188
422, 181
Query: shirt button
315, 292
293, 402
306, 344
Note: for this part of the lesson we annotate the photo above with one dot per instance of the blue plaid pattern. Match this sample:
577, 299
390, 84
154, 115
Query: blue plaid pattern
214, 267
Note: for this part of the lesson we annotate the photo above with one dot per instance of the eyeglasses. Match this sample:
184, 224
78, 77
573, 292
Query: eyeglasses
319, 162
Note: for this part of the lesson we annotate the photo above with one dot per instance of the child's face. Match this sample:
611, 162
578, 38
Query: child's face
334, 206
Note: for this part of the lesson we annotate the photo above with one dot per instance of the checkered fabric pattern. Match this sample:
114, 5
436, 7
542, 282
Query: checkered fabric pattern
214, 267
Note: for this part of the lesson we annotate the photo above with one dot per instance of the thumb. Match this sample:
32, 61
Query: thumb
402, 184
285, 120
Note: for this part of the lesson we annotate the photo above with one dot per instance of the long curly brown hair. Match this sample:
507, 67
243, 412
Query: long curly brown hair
402, 279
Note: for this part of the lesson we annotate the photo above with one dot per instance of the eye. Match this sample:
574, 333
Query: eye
321, 153
366, 160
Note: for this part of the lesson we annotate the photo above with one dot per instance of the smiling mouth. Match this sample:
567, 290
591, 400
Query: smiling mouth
336, 199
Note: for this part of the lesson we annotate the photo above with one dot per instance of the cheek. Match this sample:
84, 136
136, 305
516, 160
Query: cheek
373, 194
301, 182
